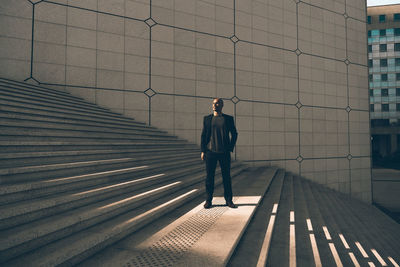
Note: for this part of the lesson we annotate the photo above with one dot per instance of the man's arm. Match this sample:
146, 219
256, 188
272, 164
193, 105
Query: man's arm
203, 139
234, 134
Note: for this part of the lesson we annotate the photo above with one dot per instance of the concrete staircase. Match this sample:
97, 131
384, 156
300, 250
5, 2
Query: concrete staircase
76, 178
81, 185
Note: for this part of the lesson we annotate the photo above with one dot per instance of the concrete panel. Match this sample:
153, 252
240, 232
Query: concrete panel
110, 79
81, 76
110, 42
49, 73
50, 33
358, 87
136, 82
14, 69
88, 4
115, 7
82, 18
15, 27
356, 49
52, 13
111, 24
81, 57
49, 53
136, 9
22, 9
110, 61
13, 48
81, 37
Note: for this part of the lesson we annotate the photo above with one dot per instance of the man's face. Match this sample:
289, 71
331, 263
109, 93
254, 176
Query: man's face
217, 105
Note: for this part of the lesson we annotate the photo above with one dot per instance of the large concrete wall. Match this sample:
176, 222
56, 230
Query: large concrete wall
293, 73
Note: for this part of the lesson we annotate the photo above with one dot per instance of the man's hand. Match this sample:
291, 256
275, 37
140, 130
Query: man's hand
202, 155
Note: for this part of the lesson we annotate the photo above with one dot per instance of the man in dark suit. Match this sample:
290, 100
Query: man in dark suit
216, 146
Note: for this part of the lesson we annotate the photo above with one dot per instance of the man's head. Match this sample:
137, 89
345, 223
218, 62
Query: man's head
217, 105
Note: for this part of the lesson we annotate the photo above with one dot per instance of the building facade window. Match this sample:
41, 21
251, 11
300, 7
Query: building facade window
382, 18
384, 77
397, 76
383, 47
371, 107
382, 32
369, 48
371, 92
370, 78
397, 61
370, 63
396, 16
397, 31
369, 33
398, 107
385, 107
369, 19
384, 62
397, 91
384, 92
397, 47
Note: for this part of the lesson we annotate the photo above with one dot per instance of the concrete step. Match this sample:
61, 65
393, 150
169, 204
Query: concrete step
76, 247
12, 146
32, 189
360, 225
56, 118
255, 242
23, 127
33, 87
333, 225
28, 210
317, 221
60, 106
22, 238
18, 159
22, 93
33, 173
23, 86
279, 253
191, 236
306, 255
24, 108
86, 242
6, 105
20, 133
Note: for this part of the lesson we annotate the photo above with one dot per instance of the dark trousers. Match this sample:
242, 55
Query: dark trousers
224, 160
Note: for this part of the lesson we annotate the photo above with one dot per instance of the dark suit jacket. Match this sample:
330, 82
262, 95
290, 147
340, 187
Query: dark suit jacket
230, 127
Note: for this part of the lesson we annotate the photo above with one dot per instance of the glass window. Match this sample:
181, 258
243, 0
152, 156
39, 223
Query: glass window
382, 18
384, 62
369, 33
371, 107
397, 31
383, 47
382, 32
397, 91
370, 48
384, 77
397, 61
370, 63
369, 20
370, 78
396, 17
371, 92
398, 107
385, 107
397, 76
397, 47
384, 92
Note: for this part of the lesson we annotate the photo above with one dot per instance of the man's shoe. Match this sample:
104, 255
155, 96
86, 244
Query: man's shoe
231, 205
207, 205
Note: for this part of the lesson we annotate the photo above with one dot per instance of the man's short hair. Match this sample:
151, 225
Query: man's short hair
219, 100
